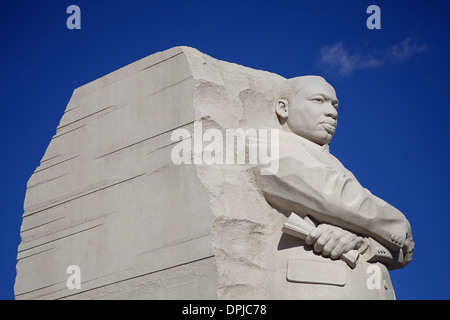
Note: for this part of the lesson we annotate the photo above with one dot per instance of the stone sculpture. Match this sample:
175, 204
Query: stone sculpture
314, 184
117, 196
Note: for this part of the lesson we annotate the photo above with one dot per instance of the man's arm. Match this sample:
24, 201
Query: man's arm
330, 196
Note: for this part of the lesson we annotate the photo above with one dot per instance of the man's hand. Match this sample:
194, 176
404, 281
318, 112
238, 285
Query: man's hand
408, 249
332, 241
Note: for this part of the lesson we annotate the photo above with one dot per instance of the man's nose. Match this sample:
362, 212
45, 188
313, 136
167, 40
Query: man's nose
331, 112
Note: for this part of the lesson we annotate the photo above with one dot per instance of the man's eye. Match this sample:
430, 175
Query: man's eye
318, 100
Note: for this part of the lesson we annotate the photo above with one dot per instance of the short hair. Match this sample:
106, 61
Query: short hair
293, 87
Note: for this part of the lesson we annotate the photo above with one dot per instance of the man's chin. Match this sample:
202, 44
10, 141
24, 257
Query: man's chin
323, 139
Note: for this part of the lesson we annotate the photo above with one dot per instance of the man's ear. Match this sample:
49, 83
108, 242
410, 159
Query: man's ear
282, 110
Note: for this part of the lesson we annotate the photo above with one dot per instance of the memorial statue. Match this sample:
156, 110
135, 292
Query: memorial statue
333, 215
140, 215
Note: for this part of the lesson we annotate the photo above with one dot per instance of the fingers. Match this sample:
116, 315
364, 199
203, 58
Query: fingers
312, 237
319, 237
408, 249
324, 239
330, 247
332, 241
322, 242
343, 245
356, 243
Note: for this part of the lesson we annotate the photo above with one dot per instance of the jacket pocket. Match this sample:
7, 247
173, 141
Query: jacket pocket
318, 271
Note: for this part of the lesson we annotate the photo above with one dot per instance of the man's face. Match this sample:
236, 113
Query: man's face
313, 114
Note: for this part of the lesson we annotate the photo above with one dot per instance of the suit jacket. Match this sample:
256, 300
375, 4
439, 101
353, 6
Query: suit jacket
311, 181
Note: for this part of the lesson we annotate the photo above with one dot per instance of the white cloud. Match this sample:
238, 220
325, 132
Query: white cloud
404, 50
337, 58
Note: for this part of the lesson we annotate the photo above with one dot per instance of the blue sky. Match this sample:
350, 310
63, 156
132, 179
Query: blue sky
393, 131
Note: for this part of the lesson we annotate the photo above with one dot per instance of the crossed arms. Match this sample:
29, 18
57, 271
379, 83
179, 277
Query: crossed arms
345, 210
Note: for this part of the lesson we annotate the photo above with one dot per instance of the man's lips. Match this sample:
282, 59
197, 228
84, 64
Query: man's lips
330, 127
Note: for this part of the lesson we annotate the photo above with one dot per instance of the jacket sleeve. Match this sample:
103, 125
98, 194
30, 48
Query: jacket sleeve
312, 188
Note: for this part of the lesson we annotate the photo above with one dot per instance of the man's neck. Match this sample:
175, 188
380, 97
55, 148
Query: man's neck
289, 136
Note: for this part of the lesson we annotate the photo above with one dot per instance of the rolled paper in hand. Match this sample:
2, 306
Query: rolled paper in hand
298, 227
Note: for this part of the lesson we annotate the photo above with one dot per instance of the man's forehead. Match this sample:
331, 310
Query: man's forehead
317, 85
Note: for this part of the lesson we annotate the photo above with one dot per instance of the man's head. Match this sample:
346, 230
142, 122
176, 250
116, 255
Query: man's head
312, 112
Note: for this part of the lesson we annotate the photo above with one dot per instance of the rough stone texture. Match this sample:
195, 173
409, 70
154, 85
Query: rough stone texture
108, 198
